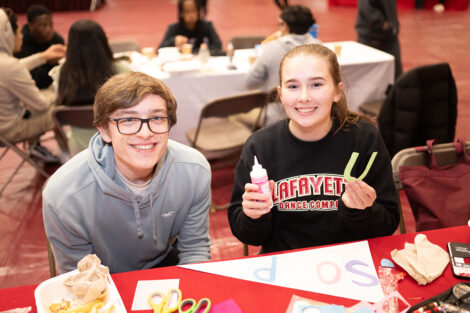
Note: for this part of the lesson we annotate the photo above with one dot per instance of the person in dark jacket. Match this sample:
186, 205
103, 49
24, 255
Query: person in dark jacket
38, 35
377, 26
191, 29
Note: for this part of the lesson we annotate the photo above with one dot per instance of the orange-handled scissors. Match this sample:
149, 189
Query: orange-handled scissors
165, 304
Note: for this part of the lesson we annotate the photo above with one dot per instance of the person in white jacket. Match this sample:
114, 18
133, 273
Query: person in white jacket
26, 111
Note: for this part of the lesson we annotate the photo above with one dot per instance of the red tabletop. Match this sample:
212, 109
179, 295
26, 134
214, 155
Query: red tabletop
258, 297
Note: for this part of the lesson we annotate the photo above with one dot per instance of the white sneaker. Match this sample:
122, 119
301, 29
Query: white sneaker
42, 153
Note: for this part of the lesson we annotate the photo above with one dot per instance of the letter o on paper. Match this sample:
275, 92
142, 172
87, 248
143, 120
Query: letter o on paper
328, 272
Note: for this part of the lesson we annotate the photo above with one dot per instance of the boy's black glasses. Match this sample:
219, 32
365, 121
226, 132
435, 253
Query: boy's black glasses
132, 125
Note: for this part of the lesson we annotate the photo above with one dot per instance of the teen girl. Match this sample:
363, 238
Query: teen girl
306, 156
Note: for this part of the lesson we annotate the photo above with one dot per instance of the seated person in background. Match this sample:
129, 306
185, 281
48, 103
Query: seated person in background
134, 198
81, 75
294, 23
191, 29
306, 156
25, 110
38, 35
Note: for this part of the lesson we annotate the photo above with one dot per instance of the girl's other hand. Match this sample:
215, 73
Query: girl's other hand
359, 195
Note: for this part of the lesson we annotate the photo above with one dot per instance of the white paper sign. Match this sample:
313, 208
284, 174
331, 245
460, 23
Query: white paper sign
344, 270
145, 287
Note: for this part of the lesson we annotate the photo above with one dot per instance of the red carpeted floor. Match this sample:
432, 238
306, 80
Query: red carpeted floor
426, 37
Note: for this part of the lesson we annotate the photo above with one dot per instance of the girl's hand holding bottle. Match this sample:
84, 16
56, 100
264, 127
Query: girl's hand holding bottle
257, 198
255, 204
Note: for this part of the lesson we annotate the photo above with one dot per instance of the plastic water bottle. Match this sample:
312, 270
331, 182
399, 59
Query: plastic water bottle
313, 30
229, 51
259, 177
204, 53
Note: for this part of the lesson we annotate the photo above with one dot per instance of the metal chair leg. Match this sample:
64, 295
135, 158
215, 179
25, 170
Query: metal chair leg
26, 157
402, 221
11, 177
245, 249
50, 254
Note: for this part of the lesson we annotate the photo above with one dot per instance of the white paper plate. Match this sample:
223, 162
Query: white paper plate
182, 66
168, 54
53, 290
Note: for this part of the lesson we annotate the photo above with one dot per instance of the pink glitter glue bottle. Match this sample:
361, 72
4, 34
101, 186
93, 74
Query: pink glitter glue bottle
259, 177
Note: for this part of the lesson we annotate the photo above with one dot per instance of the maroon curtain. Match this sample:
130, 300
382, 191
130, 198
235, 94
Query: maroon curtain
20, 6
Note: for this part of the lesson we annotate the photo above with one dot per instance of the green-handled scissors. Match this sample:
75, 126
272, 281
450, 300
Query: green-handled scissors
165, 304
195, 307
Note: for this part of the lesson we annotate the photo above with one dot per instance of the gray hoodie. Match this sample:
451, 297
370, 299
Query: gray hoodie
264, 73
18, 90
87, 209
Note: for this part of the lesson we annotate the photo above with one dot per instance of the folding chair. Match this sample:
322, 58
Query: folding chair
246, 42
50, 255
25, 155
223, 138
124, 45
78, 116
445, 155
219, 138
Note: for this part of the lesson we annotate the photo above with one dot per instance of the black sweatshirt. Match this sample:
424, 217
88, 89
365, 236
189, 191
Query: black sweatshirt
309, 183
196, 36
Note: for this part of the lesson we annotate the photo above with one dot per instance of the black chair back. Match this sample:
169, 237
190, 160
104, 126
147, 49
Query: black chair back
421, 105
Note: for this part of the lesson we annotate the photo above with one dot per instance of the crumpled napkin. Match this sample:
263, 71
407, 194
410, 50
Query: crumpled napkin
90, 283
423, 260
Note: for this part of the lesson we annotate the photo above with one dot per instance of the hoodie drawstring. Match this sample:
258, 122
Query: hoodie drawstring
153, 220
155, 196
138, 220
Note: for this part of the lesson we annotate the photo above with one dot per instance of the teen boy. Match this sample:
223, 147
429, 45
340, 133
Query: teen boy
134, 198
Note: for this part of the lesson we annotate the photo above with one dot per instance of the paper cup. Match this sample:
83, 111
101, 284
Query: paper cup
338, 50
149, 52
187, 48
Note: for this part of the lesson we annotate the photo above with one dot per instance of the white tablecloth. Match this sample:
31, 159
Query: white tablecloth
366, 71
366, 74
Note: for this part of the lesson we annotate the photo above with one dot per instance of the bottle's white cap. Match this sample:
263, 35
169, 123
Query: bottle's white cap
257, 166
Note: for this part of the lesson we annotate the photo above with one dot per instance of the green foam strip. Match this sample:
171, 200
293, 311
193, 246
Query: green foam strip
350, 165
